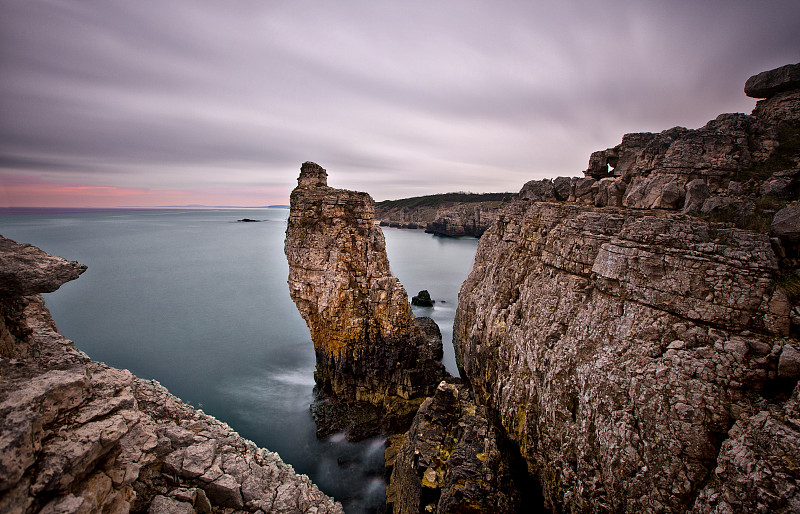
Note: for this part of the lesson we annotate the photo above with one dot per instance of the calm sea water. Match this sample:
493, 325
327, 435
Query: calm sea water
200, 303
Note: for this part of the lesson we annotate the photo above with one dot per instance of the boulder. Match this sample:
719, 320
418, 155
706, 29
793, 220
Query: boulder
786, 224
696, 193
562, 188
769, 83
422, 299
789, 362
538, 191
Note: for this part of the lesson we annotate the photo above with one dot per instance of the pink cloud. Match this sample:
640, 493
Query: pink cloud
18, 190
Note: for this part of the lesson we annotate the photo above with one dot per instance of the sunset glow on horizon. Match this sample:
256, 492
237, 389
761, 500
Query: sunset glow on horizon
25, 191
119, 103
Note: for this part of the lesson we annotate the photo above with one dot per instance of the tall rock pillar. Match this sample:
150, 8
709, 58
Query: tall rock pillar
369, 347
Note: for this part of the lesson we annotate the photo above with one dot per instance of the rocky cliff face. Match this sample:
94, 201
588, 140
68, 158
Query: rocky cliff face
641, 359
80, 436
369, 346
454, 219
464, 220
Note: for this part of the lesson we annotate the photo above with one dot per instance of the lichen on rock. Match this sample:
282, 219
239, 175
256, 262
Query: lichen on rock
369, 347
644, 360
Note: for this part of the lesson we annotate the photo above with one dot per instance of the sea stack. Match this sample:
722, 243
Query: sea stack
370, 349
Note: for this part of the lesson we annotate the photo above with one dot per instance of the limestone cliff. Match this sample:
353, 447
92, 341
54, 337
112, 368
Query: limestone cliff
449, 214
369, 346
641, 359
79, 436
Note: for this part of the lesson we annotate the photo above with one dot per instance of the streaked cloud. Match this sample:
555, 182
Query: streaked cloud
395, 99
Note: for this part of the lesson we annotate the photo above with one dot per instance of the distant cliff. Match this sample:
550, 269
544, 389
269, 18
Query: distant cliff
80, 436
636, 332
449, 214
369, 347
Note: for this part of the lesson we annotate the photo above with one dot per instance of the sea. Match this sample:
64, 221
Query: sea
199, 301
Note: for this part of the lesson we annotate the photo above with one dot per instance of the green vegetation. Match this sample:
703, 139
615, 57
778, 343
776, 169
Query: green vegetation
782, 159
789, 283
442, 199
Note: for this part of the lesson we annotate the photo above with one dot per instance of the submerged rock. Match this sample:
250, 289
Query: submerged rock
368, 345
422, 299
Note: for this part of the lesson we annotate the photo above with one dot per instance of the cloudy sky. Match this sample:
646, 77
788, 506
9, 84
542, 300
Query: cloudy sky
175, 102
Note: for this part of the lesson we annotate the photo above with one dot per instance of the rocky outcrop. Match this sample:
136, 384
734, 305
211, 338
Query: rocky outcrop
464, 220
27, 270
634, 354
80, 436
769, 83
450, 214
450, 460
368, 345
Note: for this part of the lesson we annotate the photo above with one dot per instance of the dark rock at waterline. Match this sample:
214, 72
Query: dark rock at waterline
450, 460
423, 299
369, 347
248, 220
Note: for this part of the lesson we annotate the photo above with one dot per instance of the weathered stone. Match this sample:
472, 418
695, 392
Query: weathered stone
225, 491
79, 436
716, 204
585, 190
786, 224
756, 468
197, 458
449, 460
368, 345
789, 363
566, 329
696, 193
768, 83
657, 191
164, 505
27, 270
610, 192
602, 163
463, 220
562, 188
538, 191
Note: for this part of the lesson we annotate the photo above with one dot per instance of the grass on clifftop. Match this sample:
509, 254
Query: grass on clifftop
443, 198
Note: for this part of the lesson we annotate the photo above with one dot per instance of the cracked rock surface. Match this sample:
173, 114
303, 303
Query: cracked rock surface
644, 360
80, 436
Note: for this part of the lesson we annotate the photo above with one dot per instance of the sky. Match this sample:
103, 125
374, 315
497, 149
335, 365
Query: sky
112, 103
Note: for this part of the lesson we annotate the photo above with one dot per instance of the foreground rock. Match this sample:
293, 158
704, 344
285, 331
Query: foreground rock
643, 360
80, 436
370, 350
450, 461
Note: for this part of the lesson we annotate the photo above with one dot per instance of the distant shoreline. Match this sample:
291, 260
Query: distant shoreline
19, 211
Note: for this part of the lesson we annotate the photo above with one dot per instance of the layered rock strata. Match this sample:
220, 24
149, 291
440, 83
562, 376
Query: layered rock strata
369, 346
464, 220
80, 436
644, 360
452, 219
